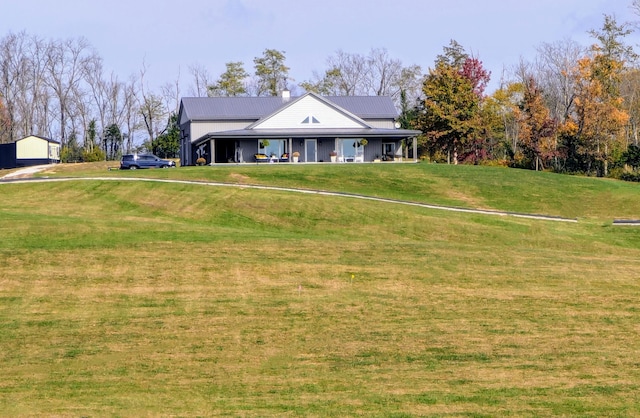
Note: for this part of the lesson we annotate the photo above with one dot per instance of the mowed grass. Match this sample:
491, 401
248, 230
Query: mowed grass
158, 299
464, 186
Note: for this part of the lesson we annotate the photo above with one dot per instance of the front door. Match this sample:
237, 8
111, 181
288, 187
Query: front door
388, 151
310, 150
225, 151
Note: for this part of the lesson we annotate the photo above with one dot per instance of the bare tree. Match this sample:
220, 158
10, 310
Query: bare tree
201, 81
100, 93
13, 67
115, 103
376, 74
22, 85
171, 95
152, 111
410, 82
383, 73
151, 108
555, 68
630, 91
36, 103
65, 64
131, 113
86, 100
60, 89
351, 73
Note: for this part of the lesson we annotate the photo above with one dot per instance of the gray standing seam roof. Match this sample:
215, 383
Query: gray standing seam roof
254, 108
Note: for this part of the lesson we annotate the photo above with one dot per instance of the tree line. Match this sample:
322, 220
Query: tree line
347, 74
572, 109
60, 90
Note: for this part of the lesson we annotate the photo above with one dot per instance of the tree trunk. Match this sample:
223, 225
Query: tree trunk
606, 159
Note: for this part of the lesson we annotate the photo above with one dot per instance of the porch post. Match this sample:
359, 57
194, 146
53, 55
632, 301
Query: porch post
212, 148
415, 149
185, 152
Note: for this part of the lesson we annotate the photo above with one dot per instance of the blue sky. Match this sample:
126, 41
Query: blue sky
171, 36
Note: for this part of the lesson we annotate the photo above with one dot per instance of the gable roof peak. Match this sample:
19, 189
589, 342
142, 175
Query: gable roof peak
292, 108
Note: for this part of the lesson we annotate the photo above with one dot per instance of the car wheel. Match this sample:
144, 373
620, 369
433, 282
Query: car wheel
164, 166
132, 167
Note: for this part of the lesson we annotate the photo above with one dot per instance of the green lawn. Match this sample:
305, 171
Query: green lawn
147, 299
464, 186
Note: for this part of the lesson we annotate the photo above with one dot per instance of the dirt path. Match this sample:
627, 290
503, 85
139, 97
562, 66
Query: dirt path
26, 172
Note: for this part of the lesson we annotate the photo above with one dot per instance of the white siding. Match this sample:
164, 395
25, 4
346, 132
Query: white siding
229, 126
200, 129
54, 151
32, 147
293, 116
382, 124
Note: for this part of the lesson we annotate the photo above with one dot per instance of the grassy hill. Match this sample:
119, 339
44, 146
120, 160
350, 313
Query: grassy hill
464, 186
139, 298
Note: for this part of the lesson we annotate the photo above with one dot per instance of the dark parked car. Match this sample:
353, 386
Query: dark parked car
135, 161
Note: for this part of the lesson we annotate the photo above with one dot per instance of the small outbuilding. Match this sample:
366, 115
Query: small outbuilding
29, 151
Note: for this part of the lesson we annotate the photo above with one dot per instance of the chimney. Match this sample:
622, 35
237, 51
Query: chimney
286, 95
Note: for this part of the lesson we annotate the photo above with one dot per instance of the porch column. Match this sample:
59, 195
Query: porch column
415, 149
212, 148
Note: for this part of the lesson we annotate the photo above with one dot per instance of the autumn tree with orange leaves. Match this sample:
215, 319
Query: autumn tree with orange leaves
536, 128
450, 116
600, 118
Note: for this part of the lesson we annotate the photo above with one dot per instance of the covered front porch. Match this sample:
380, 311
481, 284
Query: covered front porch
308, 147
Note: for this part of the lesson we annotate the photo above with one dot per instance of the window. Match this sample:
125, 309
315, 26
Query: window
270, 147
348, 149
309, 120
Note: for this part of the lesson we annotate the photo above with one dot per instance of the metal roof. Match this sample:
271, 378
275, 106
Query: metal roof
254, 108
367, 107
229, 108
52, 141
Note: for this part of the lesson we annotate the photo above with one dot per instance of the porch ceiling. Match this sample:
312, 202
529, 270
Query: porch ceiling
309, 133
